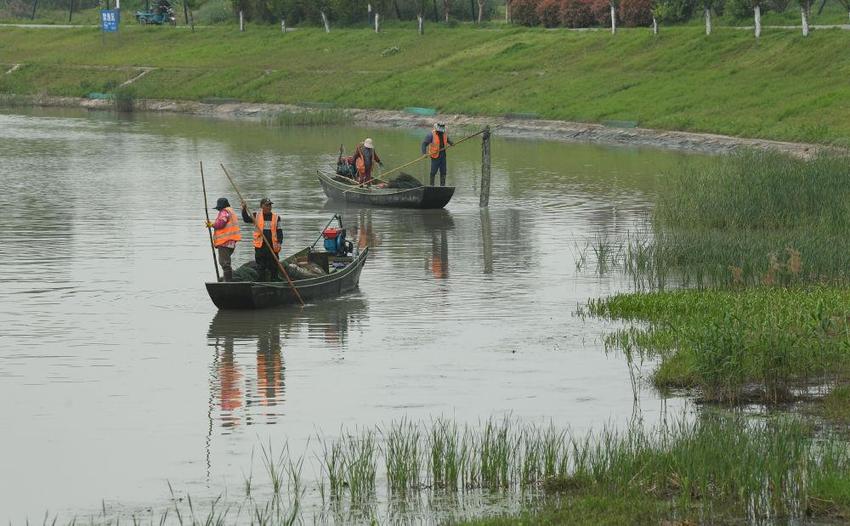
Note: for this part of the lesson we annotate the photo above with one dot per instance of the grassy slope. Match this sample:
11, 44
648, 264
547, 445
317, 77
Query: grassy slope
783, 87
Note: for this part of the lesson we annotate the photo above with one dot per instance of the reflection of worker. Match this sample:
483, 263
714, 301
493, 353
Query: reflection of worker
265, 254
440, 256
435, 144
230, 389
226, 234
365, 158
269, 368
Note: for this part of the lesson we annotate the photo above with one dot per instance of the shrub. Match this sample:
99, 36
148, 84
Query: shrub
576, 13
600, 12
741, 9
214, 12
635, 12
549, 12
525, 12
677, 10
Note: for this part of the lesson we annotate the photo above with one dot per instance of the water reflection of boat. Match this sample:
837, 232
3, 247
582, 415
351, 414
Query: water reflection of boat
258, 295
341, 189
331, 320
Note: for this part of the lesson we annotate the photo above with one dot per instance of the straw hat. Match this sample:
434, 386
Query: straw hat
368, 143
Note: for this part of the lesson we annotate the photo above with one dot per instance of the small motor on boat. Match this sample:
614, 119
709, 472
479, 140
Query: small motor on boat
335, 242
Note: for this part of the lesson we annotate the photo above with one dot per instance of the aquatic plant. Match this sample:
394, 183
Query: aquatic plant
715, 466
733, 345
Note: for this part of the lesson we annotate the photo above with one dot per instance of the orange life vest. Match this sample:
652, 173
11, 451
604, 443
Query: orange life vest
259, 220
435, 145
230, 232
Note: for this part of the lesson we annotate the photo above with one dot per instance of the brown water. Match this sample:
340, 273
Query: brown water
117, 374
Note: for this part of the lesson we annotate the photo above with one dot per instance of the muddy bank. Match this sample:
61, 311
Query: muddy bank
507, 127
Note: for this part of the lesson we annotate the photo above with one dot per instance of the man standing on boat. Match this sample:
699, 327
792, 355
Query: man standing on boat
226, 235
364, 159
268, 223
435, 144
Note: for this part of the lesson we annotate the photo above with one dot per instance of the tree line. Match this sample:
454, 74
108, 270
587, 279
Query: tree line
355, 12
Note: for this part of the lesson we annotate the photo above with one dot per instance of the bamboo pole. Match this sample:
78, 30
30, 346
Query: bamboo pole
209, 229
263, 237
484, 200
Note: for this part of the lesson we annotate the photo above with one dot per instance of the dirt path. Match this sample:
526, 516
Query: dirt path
520, 128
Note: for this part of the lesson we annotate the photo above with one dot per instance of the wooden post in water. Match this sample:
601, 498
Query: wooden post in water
241, 21
192, 20
326, 23
485, 169
283, 25
377, 22
421, 20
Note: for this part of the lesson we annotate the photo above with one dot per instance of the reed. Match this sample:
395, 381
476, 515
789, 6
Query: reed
403, 455
715, 467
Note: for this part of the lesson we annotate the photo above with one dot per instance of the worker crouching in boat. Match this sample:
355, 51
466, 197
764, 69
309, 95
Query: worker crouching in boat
226, 235
435, 145
365, 158
268, 223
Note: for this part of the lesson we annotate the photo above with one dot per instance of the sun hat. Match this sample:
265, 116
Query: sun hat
368, 143
265, 201
221, 203
440, 126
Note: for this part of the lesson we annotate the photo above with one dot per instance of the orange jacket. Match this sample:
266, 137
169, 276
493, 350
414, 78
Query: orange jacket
435, 147
229, 232
259, 221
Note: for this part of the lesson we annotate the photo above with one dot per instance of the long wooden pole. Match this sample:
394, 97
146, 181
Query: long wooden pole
263, 237
209, 230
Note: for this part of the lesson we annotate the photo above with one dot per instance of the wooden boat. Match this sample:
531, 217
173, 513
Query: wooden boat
343, 189
259, 295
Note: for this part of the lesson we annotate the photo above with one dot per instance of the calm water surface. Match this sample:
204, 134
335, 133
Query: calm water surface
117, 374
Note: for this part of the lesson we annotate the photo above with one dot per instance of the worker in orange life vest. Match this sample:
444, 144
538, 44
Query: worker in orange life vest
435, 144
265, 254
226, 235
365, 158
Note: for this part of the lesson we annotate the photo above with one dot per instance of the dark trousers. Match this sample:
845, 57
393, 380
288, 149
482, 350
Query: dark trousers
439, 164
266, 265
224, 254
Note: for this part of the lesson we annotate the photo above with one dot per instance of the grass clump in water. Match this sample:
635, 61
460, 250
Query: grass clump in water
752, 218
737, 345
323, 117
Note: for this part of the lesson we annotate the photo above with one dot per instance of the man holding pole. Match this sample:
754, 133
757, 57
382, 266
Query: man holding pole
435, 144
268, 223
226, 228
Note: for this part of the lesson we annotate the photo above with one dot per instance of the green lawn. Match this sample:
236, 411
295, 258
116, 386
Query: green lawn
782, 87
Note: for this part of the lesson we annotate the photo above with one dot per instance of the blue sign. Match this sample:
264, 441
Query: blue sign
109, 19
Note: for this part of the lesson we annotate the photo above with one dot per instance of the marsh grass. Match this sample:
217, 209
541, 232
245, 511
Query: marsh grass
717, 466
737, 345
124, 100
320, 117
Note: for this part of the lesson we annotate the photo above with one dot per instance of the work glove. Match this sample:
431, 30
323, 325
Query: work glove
209, 224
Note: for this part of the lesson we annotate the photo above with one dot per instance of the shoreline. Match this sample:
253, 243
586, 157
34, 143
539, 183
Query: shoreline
565, 131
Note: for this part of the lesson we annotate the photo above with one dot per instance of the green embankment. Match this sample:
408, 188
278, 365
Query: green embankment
781, 87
